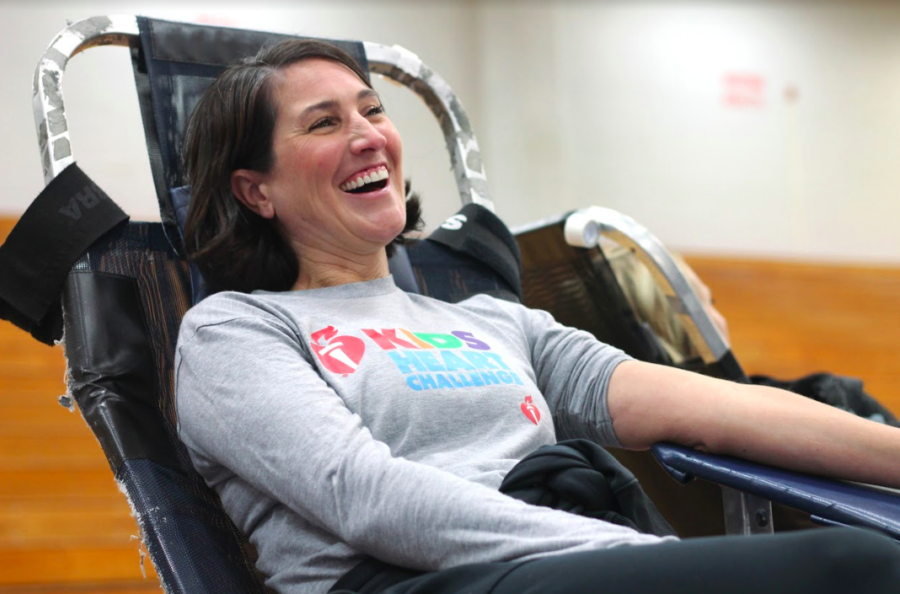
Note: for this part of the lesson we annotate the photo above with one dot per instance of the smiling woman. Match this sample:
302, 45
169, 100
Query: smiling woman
361, 436
297, 131
331, 132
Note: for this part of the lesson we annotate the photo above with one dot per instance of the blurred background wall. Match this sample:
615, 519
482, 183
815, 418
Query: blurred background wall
755, 128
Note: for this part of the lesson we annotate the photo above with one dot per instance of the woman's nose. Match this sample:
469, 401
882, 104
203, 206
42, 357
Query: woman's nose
365, 136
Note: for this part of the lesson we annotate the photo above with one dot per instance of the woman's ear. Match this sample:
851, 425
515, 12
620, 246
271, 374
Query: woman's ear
245, 184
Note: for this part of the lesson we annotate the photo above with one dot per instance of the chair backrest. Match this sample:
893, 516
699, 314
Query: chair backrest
566, 272
124, 298
123, 302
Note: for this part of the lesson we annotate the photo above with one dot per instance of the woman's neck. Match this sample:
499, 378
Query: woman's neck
328, 270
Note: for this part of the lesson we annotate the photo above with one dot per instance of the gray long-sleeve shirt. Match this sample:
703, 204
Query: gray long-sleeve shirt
360, 420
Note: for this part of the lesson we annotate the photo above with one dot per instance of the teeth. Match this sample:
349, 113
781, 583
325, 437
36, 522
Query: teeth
372, 176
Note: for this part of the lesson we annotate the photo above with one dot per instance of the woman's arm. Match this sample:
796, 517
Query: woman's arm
650, 403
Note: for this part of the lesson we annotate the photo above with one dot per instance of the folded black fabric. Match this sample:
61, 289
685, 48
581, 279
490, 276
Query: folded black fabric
479, 233
63, 221
580, 477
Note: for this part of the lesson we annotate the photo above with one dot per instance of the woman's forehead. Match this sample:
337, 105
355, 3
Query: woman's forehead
316, 79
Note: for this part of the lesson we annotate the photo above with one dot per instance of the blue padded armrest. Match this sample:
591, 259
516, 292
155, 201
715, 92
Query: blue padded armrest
828, 501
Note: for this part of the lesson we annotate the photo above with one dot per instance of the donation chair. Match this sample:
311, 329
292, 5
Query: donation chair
115, 291
567, 253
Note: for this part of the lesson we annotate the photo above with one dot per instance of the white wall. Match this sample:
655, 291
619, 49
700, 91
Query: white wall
618, 103
624, 108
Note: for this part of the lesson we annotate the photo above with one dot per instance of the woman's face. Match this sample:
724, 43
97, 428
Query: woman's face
336, 186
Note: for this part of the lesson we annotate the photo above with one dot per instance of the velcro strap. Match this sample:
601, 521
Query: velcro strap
56, 229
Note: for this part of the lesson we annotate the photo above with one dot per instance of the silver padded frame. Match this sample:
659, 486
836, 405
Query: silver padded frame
393, 62
586, 226
47, 96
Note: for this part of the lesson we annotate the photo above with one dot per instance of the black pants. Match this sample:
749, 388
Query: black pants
845, 561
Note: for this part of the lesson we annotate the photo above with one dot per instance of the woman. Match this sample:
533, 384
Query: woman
339, 418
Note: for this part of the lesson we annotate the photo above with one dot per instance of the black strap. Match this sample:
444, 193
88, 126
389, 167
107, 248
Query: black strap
58, 226
479, 233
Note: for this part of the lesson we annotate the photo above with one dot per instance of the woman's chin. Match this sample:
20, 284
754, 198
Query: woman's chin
389, 225
386, 238
378, 223
378, 235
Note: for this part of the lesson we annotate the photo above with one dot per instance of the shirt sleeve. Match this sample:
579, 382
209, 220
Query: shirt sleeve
573, 370
249, 401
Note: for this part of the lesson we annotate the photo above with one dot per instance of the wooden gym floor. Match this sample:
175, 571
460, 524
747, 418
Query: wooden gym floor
66, 528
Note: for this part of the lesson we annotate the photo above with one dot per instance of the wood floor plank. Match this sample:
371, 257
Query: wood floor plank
39, 525
64, 483
62, 565
48, 428
45, 416
49, 386
20, 452
112, 587
44, 394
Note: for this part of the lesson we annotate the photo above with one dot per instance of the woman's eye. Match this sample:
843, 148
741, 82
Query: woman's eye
375, 110
324, 122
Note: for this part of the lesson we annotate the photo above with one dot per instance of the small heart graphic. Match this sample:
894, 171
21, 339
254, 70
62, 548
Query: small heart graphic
342, 353
530, 410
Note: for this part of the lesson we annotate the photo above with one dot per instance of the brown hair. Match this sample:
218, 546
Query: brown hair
231, 128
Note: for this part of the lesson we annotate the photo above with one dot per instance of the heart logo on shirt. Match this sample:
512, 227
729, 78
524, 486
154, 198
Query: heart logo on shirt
338, 354
530, 410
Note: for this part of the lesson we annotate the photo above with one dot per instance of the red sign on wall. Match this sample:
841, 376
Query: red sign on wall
743, 90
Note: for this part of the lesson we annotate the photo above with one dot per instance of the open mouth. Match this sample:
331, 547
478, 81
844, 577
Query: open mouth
371, 181
369, 187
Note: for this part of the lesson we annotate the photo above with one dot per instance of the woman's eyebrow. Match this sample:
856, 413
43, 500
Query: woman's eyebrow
366, 93
332, 103
320, 106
